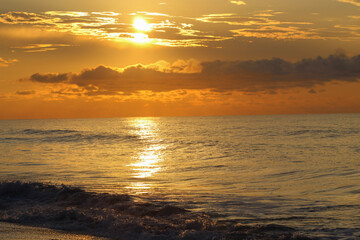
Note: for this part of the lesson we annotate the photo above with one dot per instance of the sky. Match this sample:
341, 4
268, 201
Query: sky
140, 58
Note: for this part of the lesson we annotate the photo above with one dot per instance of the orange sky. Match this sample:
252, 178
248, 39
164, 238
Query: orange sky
66, 59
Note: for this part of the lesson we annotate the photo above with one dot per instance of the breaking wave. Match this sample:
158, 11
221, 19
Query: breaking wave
119, 216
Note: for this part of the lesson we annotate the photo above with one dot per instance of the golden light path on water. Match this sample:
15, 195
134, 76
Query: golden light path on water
147, 162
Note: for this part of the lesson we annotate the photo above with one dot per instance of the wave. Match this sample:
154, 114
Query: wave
119, 216
45, 132
59, 135
325, 133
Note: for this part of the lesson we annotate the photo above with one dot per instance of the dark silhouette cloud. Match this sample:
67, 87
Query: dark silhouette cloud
25, 92
222, 76
49, 78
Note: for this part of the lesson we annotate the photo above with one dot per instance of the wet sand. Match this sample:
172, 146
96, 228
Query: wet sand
10, 231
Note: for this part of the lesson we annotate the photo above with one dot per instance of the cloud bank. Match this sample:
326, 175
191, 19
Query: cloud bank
222, 76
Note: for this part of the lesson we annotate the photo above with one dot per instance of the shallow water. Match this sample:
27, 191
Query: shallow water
301, 171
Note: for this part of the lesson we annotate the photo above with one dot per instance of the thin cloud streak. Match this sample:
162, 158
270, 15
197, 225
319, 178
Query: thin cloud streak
32, 48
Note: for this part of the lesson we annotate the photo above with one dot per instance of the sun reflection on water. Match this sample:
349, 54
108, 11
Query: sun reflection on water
139, 187
147, 160
147, 164
145, 128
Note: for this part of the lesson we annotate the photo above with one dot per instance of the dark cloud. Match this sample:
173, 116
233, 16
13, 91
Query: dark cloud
77, 20
22, 18
25, 92
49, 78
246, 76
111, 27
132, 79
278, 73
235, 20
176, 33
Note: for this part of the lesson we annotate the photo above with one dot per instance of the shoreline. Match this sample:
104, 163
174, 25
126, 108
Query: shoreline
76, 214
13, 231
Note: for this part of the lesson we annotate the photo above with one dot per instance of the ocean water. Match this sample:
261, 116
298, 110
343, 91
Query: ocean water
299, 171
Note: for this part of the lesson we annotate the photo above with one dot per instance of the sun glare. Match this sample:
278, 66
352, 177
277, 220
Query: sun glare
141, 38
141, 25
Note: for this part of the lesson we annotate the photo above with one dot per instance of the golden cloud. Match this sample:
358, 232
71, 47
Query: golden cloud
7, 62
165, 30
175, 31
353, 2
237, 2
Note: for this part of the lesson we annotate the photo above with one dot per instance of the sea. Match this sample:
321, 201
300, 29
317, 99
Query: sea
185, 177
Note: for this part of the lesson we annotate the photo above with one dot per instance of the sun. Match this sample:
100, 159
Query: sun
141, 25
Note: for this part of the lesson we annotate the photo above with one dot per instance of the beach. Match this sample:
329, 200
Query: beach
10, 231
